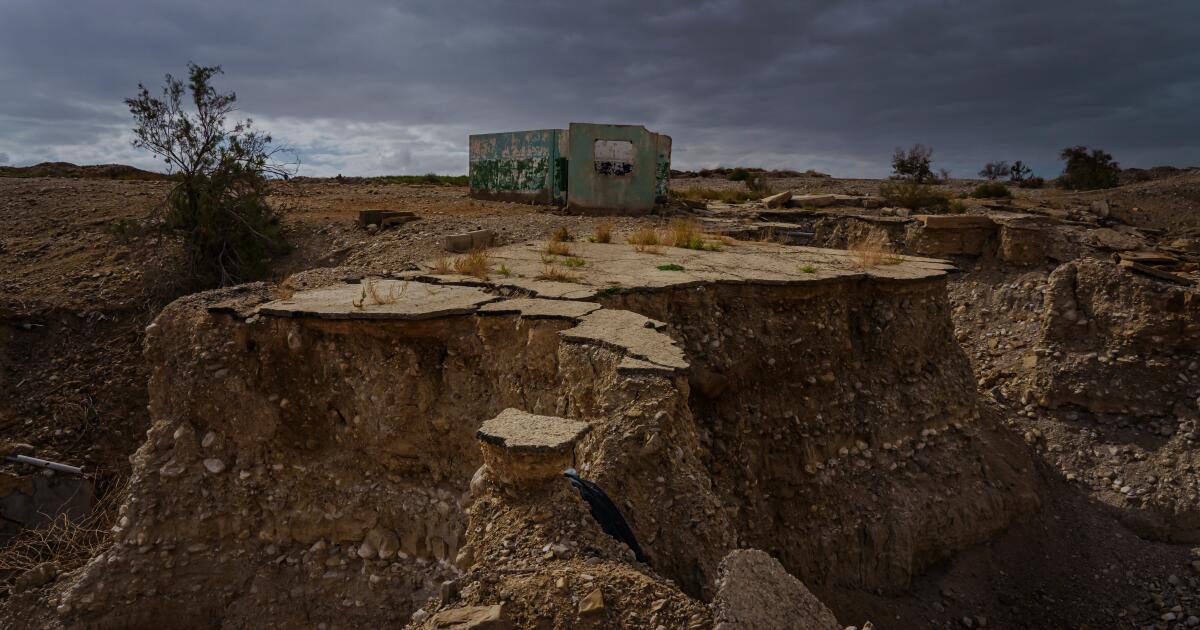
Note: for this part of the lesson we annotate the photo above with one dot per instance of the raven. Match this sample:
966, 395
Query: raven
605, 512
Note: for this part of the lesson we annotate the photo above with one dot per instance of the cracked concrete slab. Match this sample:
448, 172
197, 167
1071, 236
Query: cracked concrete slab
537, 308
523, 432
641, 338
398, 300
618, 266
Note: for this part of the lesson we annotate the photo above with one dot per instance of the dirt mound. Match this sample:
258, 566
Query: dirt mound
95, 171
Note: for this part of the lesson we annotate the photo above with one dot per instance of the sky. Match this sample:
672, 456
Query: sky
366, 87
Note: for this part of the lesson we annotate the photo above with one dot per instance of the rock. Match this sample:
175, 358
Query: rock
384, 541
592, 603
492, 617
816, 201
755, 591
214, 465
171, 469
35, 577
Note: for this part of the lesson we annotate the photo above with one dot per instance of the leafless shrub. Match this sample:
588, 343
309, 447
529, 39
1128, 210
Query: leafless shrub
384, 297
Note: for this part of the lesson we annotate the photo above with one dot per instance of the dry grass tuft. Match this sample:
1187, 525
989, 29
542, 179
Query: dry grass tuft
442, 265
645, 240
554, 274
873, 250
602, 233
558, 248
561, 235
476, 263
726, 239
65, 543
684, 233
689, 234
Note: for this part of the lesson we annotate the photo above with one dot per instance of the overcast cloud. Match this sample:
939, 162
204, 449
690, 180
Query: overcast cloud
365, 87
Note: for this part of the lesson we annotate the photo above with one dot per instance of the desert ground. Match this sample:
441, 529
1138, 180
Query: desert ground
991, 422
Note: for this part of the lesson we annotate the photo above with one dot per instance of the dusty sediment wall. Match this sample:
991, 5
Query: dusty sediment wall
1126, 343
310, 458
839, 427
282, 445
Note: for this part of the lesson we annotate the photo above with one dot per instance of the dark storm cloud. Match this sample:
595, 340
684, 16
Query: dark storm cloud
372, 87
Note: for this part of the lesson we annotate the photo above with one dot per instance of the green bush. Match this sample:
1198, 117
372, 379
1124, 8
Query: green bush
913, 195
1088, 170
219, 205
1032, 182
991, 190
914, 164
739, 175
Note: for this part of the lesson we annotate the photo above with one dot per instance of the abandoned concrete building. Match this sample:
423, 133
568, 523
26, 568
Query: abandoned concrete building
589, 168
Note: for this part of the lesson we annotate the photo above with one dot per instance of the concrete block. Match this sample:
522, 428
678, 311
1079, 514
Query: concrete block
460, 243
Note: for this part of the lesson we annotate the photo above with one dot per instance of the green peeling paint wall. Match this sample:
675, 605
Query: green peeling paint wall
590, 168
517, 166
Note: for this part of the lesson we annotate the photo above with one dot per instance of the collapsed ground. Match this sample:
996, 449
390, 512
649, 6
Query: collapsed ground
81, 290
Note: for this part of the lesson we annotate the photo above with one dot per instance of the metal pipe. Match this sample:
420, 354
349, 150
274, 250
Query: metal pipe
42, 463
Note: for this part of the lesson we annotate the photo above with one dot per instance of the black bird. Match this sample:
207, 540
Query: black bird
605, 512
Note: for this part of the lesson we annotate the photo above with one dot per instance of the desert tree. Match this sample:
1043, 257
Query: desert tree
1019, 172
913, 164
1088, 170
995, 170
222, 169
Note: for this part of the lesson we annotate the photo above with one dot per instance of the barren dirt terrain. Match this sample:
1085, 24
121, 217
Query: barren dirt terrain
991, 423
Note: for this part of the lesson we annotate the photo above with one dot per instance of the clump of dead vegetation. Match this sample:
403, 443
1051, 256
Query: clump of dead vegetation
63, 545
682, 233
477, 263
874, 249
688, 234
645, 240
557, 248
374, 295
602, 233
554, 274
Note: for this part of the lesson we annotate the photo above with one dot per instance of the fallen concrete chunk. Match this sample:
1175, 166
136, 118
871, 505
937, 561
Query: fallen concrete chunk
468, 241
1156, 273
384, 218
1107, 238
472, 618
1150, 258
778, 200
955, 221
755, 592
816, 201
